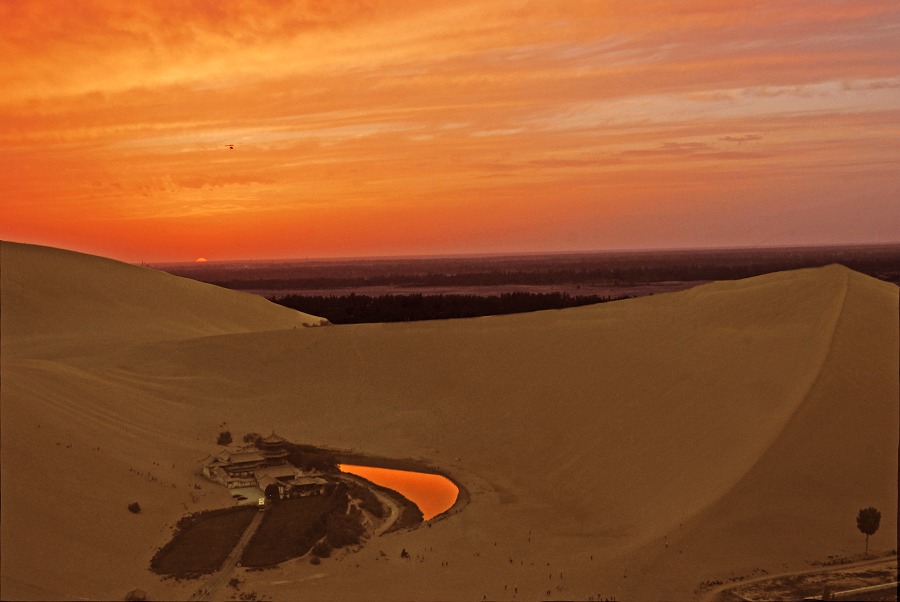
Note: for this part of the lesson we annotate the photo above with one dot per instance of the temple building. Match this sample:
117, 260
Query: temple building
235, 469
264, 467
272, 449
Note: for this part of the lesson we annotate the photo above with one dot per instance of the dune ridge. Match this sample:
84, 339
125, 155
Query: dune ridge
93, 299
636, 447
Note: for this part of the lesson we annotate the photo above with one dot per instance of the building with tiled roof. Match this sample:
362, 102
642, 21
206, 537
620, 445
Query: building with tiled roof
272, 448
234, 468
261, 466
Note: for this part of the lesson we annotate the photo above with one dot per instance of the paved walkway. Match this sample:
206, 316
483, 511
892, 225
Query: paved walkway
220, 578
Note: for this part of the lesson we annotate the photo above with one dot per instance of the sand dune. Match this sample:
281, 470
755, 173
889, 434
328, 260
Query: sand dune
636, 448
54, 297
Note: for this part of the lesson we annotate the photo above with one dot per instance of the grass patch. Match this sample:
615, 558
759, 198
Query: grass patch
291, 528
201, 542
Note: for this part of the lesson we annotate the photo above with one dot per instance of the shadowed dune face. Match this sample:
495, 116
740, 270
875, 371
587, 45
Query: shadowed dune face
741, 423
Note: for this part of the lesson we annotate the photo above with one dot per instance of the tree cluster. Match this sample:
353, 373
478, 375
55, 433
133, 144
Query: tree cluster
356, 309
623, 267
309, 457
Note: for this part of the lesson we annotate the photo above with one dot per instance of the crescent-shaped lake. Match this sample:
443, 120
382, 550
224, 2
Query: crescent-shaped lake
432, 493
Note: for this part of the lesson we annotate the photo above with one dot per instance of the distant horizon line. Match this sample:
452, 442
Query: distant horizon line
498, 254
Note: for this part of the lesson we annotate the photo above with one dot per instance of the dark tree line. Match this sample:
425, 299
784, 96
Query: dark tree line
356, 309
623, 268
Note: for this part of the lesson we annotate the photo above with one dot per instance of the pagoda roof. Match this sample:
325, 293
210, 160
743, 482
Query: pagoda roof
273, 439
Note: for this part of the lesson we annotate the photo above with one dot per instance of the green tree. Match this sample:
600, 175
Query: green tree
868, 522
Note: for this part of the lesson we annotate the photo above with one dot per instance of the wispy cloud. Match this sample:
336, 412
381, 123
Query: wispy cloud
744, 138
466, 110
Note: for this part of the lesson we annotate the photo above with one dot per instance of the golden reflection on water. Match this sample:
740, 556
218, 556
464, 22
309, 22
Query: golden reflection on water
432, 493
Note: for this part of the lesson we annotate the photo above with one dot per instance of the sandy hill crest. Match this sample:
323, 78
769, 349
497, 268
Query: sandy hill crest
51, 295
634, 448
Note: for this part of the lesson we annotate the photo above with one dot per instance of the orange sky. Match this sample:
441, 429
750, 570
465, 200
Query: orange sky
410, 127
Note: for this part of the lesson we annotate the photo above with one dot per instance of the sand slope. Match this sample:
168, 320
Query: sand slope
54, 297
741, 423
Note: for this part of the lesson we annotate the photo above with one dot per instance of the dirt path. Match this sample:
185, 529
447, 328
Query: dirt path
393, 513
714, 594
214, 583
392, 507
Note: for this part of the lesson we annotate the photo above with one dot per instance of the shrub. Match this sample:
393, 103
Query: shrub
224, 438
134, 507
368, 501
272, 492
322, 549
315, 560
344, 529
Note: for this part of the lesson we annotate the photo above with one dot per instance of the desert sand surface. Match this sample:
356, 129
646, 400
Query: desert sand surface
629, 449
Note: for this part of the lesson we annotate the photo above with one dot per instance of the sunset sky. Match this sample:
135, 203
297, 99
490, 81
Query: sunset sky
433, 127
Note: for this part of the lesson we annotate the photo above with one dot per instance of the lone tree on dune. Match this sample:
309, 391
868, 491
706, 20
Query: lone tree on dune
868, 521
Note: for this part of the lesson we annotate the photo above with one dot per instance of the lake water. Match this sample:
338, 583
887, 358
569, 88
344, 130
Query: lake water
432, 493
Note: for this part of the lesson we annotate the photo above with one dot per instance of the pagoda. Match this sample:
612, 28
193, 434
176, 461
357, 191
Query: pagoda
272, 449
